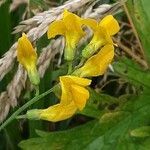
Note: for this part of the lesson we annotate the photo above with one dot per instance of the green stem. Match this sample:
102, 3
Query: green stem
69, 67
21, 117
32, 124
25, 106
36, 91
81, 63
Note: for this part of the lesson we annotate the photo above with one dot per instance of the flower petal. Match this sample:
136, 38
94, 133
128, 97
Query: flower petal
100, 38
56, 28
66, 96
75, 80
58, 112
73, 25
26, 54
70, 27
97, 64
110, 24
80, 95
72, 22
66, 83
91, 23
66, 13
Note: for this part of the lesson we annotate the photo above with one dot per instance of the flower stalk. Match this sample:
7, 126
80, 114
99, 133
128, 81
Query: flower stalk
25, 106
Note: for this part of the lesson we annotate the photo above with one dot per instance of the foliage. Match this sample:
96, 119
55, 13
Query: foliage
112, 129
116, 121
141, 18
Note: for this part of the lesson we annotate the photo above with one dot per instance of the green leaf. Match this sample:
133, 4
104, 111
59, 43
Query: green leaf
97, 103
130, 71
112, 133
10, 136
139, 13
5, 28
141, 132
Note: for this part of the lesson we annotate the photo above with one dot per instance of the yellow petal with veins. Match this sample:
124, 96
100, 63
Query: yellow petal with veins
80, 95
69, 79
72, 22
91, 23
66, 96
98, 63
67, 82
73, 34
74, 96
110, 24
107, 27
71, 28
56, 28
27, 56
58, 112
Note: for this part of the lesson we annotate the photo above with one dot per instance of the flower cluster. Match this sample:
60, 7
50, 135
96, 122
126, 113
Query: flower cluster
96, 57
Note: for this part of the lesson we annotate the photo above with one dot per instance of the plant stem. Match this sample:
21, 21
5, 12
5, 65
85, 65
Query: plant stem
25, 106
36, 91
81, 62
69, 67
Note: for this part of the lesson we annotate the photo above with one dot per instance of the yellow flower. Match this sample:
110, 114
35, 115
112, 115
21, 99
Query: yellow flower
103, 31
70, 27
73, 89
27, 56
53, 113
98, 63
73, 97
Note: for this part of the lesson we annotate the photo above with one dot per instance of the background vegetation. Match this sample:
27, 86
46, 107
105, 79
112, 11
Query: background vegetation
117, 116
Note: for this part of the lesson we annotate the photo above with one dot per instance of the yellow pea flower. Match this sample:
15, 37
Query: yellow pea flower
98, 63
70, 28
27, 56
103, 31
74, 97
53, 113
73, 89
